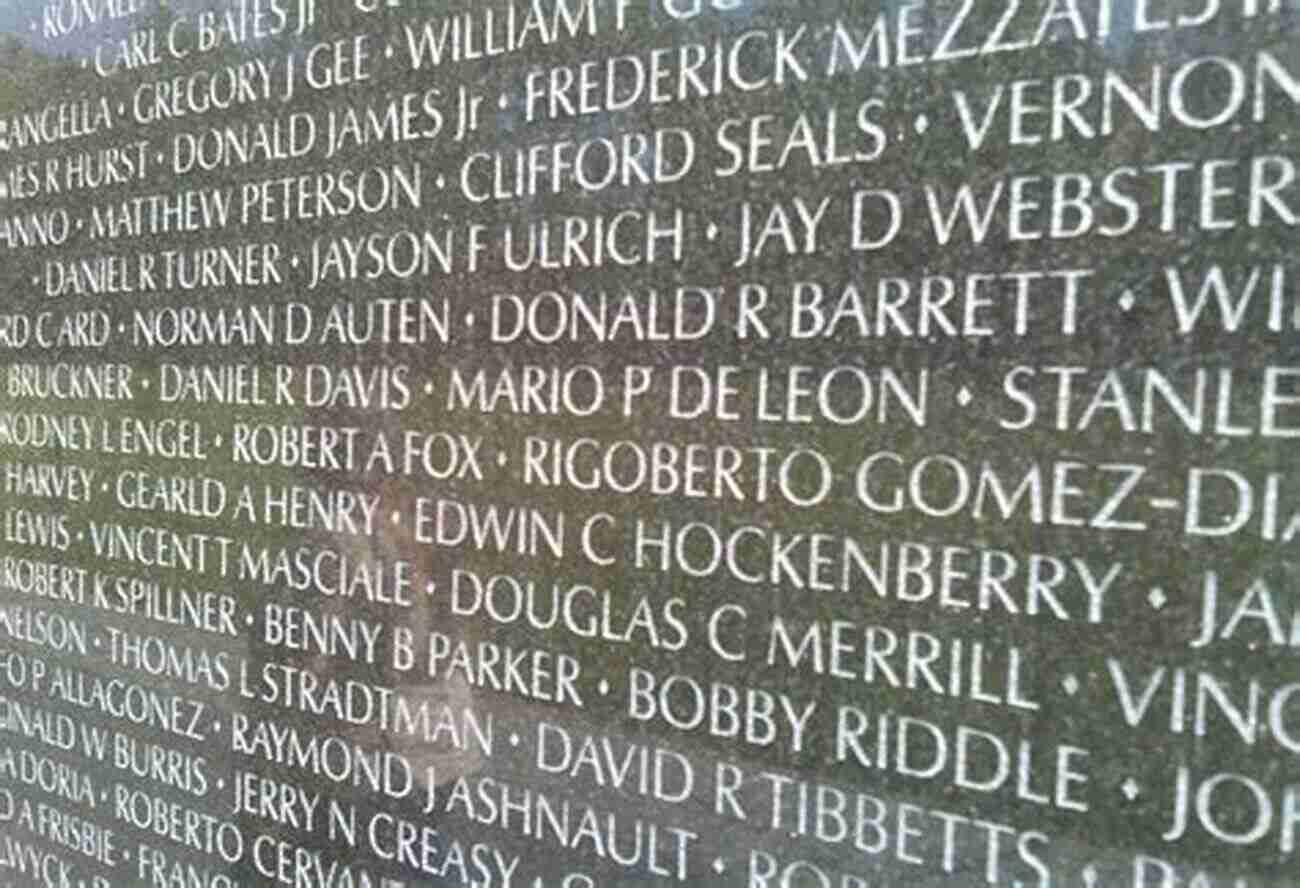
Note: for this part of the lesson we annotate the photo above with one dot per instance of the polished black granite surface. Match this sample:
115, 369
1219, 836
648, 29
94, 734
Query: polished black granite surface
621, 442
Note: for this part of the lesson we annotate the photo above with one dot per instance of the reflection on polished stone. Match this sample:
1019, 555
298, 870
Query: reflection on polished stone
574, 443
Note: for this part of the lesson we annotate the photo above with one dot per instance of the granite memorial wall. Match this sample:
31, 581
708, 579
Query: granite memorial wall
573, 443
